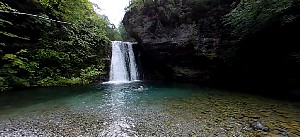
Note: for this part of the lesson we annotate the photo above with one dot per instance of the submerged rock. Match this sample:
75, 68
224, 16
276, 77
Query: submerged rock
259, 126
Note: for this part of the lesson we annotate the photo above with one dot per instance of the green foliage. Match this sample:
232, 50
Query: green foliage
123, 34
4, 6
86, 76
3, 22
173, 12
46, 53
12, 35
135, 4
14, 66
249, 16
112, 32
3, 85
295, 56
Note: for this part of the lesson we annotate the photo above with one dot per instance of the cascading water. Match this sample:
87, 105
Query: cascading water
123, 67
133, 67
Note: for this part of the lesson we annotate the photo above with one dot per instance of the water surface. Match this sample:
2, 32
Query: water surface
159, 110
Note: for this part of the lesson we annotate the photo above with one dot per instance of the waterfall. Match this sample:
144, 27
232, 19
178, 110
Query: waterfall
133, 68
123, 67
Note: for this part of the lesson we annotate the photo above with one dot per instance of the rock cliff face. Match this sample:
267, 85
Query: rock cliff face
184, 41
189, 42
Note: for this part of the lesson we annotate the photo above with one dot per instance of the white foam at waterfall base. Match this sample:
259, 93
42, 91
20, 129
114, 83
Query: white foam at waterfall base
120, 82
123, 68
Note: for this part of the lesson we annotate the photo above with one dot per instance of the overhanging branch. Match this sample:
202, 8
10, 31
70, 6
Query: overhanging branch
38, 16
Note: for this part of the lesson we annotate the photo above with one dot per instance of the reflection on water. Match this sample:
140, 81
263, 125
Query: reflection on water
159, 110
122, 123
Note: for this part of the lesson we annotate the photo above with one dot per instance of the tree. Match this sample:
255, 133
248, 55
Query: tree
39, 51
125, 36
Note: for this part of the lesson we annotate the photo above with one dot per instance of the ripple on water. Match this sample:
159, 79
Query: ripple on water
161, 110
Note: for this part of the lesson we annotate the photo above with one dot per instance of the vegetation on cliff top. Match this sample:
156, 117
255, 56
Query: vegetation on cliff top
250, 16
38, 51
247, 16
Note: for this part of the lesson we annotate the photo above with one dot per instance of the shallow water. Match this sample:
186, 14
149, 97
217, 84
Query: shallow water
159, 110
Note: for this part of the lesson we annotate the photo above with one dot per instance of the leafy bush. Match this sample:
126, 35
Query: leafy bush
87, 75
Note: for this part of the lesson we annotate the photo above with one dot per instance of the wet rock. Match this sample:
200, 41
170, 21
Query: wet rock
259, 126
